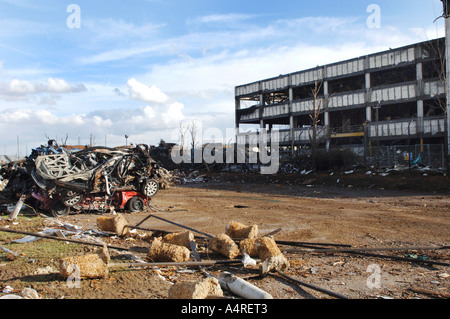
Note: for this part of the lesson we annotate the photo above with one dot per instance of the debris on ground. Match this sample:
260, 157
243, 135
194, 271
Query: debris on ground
238, 261
63, 180
26, 293
242, 288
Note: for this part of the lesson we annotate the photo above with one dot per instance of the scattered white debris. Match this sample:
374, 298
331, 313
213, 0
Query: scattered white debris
248, 261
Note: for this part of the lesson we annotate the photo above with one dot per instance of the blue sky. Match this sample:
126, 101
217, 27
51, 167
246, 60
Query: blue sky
142, 67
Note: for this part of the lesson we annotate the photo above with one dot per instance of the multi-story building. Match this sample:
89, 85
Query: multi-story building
395, 97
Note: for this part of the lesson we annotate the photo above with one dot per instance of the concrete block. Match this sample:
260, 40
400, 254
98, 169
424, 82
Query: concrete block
161, 252
116, 224
196, 289
224, 245
238, 230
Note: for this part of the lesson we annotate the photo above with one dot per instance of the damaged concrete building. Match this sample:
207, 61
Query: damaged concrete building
387, 99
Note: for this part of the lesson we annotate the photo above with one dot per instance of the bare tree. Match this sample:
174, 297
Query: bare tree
64, 141
92, 140
193, 131
182, 134
437, 49
319, 107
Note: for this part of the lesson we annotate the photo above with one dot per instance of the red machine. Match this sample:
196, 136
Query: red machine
131, 201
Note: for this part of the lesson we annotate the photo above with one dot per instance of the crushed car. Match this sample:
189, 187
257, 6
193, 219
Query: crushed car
98, 169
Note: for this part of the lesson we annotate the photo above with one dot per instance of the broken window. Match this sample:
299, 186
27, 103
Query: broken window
305, 121
347, 121
306, 92
395, 112
433, 70
435, 107
276, 97
394, 76
353, 83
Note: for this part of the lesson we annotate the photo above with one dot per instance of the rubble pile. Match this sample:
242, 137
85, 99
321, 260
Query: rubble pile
158, 249
167, 249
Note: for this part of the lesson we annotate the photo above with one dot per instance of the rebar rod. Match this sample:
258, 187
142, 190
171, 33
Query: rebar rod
345, 250
62, 239
182, 226
325, 291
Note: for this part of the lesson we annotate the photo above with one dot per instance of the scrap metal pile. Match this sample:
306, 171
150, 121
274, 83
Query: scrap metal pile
59, 180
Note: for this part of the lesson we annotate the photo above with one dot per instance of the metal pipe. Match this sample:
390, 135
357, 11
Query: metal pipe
172, 264
418, 261
241, 287
141, 222
325, 291
61, 239
182, 226
299, 243
349, 250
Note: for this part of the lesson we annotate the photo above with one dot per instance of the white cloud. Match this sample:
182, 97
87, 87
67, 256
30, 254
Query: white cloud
154, 119
18, 87
113, 29
21, 28
52, 85
46, 117
38, 92
221, 18
142, 92
430, 32
123, 53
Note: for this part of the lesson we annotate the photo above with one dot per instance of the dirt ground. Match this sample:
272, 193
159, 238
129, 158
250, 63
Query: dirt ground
362, 213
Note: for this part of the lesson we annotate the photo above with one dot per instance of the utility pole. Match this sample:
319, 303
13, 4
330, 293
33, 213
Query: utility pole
446, 15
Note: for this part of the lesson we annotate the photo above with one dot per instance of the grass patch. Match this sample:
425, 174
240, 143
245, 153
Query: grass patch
24, 268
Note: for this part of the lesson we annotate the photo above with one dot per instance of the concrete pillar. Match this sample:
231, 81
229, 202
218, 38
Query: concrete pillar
293, 125
326, 114
291, 94
327, 118
419, 71
262, 124
369, 114
261, 109
420, 109
291, 118
368, 84
237, 119
420, 117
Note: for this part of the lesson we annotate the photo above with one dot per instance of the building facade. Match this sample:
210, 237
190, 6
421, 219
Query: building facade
395, 97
